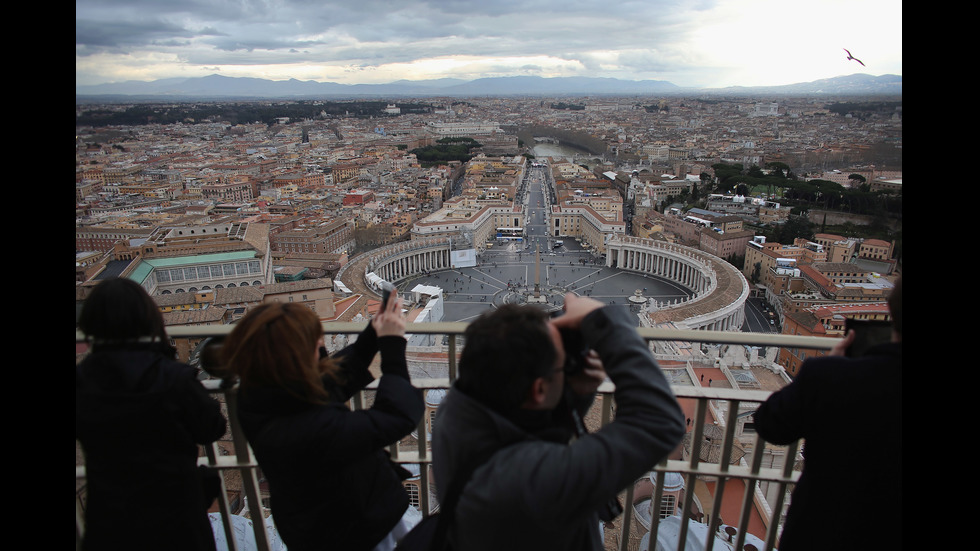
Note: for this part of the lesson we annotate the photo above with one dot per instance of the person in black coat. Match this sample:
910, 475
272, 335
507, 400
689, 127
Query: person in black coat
139, 417
331, 482
511, 416
849, 413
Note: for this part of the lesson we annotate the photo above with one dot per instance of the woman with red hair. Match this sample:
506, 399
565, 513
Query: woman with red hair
331, 481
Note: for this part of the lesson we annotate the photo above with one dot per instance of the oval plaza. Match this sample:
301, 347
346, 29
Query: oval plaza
690, 289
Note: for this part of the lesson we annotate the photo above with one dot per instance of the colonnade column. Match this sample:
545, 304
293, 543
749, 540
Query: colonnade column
414, 263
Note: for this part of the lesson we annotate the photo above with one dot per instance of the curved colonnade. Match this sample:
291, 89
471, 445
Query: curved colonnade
395, 262
719, 288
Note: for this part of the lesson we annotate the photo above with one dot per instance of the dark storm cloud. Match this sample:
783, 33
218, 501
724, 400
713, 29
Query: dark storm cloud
403, 29
117, 39
119, 36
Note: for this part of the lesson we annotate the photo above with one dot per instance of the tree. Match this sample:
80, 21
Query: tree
777, 169
795, 226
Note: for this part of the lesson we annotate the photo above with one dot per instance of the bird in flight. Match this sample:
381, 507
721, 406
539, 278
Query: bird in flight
849, 57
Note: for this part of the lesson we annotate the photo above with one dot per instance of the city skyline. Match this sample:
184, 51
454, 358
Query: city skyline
712, 44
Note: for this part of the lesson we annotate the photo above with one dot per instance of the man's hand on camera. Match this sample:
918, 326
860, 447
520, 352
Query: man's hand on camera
576, 308
587, 381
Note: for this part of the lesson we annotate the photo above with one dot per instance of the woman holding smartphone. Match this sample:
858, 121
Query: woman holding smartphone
331, 481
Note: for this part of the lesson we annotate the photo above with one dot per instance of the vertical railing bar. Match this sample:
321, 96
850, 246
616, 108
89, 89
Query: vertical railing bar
728, 441
748, 498
790, 462
777, 510
254, 499
607, 407
698, 435
655, 504
777, 513
624, 530
422, 443
715, 521
357, 401
424, 503
79, 522
690, 480
211, 451
453, 370
243, 453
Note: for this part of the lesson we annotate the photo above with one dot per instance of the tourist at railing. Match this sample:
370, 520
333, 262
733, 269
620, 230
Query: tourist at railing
513, 413
848, 410
331, 482
139, 416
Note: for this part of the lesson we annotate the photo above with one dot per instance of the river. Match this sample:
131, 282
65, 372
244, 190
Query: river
545, 149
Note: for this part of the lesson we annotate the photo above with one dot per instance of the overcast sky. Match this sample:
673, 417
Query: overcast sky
699, 43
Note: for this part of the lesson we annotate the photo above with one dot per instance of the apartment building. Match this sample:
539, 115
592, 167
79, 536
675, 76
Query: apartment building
581, 220
725, 243
238, 190
762, 257
479, 219
315, 236
826, 320
876, 249
891, 185
462, 129
839, 248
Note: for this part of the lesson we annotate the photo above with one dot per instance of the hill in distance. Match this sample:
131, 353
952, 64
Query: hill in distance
217, 86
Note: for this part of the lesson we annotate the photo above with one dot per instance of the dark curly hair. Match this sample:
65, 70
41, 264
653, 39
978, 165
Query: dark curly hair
505, 351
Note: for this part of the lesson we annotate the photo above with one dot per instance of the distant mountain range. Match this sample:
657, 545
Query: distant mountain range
220, 87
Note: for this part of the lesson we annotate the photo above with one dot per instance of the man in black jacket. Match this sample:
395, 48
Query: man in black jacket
849, 412
511, 412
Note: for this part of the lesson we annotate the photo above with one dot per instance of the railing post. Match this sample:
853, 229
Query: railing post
250, 481
743, 521
423, 467
453, 370
211, 451
655, 503
627, 519
777, 509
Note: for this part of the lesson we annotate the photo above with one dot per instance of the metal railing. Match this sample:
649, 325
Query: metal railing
750, 470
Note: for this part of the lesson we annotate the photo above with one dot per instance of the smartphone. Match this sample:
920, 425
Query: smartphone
386, 289
867, 333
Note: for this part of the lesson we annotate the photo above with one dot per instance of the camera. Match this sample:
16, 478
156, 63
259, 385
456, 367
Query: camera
575, 350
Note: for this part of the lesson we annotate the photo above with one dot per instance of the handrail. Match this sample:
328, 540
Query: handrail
457, 328
749, 469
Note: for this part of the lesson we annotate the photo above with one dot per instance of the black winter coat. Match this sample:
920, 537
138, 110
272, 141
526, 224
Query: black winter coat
535, 493
332, 483
139, 417
849, 413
